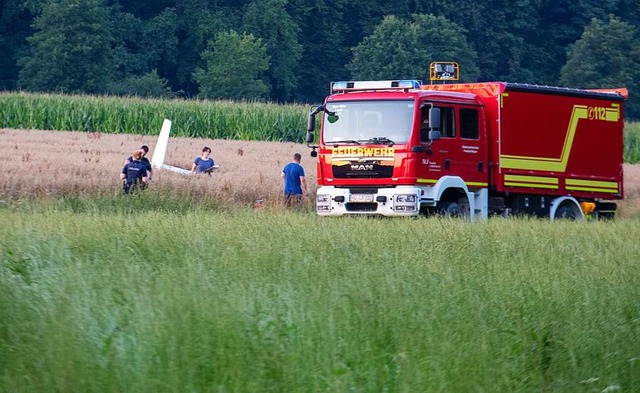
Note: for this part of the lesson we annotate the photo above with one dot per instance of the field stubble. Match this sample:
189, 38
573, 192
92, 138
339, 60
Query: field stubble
61, 163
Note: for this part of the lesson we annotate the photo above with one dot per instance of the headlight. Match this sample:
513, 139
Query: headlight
406, 198
323, 199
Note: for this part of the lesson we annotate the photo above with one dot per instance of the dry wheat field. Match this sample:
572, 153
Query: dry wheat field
57, 163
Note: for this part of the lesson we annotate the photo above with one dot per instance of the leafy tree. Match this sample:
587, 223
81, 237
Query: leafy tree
197, 23
496, 31
398, 49
269, 20
145, 10
128, 53
606, 56
235, 64
148, 85
160, 42
15, 27
324, 36
559, 25
70, 50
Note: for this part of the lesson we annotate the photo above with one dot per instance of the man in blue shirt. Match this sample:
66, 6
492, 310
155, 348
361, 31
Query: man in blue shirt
295, 184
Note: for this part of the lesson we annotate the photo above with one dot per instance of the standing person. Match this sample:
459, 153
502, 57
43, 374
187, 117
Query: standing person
204, 163
134, 174
143, 159
295, 184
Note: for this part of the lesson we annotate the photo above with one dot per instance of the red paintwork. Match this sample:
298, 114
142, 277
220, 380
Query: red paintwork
533, 122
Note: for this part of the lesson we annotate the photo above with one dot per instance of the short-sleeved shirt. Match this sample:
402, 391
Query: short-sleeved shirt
134, 171
203, 165
143, 160
292, 173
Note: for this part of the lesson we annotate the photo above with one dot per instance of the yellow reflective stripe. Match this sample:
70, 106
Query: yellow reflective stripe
606, 190
610, 187
594, 183
513, 163
535, 179
531, 185
468, 183
476, 184
558, 164
613, 113
502, 99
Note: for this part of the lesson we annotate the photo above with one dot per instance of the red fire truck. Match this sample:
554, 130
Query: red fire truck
399, 148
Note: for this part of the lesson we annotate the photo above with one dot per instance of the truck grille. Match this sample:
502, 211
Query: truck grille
361, 207
359, 171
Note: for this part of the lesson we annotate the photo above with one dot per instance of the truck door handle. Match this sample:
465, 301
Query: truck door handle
446, 164
480, 167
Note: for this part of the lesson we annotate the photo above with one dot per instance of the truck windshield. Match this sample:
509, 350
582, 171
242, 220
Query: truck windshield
369, 122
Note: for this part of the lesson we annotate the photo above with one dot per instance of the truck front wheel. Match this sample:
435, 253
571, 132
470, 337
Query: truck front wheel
450, 210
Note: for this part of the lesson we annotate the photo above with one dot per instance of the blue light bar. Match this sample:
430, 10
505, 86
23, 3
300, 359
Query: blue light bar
374, 85
409, 84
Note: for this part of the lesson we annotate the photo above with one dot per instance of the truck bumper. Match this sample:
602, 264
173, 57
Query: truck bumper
396, 201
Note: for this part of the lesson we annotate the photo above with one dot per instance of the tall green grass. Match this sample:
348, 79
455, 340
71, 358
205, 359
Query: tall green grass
632, 142
259, 301
191, 118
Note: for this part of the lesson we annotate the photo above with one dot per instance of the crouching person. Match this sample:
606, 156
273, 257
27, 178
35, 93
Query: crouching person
134, 174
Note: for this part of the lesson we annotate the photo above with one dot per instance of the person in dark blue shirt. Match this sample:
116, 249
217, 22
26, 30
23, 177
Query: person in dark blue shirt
143, 159
295, 184
204, 163
134, 174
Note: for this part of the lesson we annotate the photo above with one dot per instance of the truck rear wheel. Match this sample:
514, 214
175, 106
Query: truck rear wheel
565, 213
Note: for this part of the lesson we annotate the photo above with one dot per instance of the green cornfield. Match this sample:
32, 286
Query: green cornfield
191, 118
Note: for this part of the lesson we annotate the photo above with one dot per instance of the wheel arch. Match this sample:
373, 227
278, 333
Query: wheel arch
568, 201
449, 189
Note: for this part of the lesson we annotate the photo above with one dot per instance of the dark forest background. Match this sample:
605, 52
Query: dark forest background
290, 50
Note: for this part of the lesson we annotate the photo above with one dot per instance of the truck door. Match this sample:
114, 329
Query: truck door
461, 150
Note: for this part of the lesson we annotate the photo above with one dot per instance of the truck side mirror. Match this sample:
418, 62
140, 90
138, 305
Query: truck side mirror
434, 118
434, 135
309, 136
311, 123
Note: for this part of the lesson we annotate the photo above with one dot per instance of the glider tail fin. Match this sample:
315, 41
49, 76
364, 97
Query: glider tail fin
161, 147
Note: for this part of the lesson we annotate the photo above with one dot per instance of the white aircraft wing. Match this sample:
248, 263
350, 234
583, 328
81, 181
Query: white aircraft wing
176, 169
161, 150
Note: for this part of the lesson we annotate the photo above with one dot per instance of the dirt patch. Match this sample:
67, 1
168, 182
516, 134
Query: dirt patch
55, 163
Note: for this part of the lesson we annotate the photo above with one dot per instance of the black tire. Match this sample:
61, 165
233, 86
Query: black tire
565, 212
451, 210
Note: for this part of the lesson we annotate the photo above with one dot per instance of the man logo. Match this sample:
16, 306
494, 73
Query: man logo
362, 167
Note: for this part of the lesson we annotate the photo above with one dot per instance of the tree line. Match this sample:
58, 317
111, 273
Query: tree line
289, 50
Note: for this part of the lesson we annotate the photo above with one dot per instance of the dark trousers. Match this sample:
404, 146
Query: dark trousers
130, 188
291, 200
